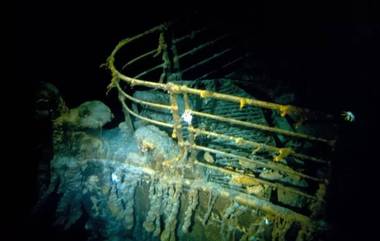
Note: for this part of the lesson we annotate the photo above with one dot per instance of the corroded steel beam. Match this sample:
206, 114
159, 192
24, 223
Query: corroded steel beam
177, 120
202, 46
214, 56
139, 58
190, 126
149, 70
145, 118
258, 180
262, 146
190, 35
220, 68
242, 198
260, 127
259, 163
142, 102
207, 94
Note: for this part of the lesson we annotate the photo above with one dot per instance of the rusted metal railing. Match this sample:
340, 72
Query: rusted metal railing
174, 90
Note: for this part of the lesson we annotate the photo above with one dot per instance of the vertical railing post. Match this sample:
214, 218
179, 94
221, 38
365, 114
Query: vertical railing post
176, 71
190, 127
163, 49
177, 132
127, 116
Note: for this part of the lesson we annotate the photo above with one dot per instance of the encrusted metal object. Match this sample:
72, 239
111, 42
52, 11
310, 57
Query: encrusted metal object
254, 168
196, 158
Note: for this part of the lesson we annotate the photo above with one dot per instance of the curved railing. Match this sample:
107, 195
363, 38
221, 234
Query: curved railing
170, 67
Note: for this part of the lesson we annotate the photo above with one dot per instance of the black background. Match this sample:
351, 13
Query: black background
329, 52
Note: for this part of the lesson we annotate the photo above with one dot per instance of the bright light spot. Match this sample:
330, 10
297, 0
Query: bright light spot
266, 221
187, 117
348, 116
114, 177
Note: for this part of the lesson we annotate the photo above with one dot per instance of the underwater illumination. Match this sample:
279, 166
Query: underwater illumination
237, 174
114, 178
348, 116
187, 117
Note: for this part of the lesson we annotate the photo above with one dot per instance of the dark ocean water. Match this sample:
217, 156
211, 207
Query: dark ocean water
329, 62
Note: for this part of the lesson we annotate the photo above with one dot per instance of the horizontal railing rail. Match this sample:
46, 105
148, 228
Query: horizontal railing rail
189, 142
